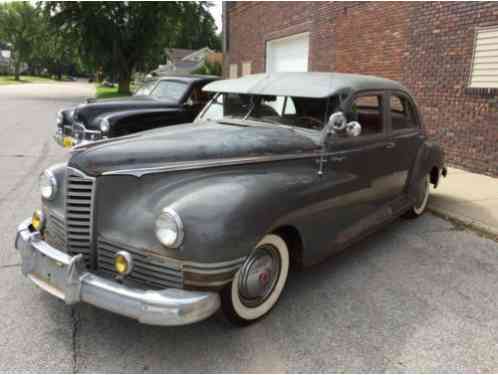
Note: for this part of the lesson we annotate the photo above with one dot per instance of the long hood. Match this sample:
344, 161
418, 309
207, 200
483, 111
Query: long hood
188, 142
86, 113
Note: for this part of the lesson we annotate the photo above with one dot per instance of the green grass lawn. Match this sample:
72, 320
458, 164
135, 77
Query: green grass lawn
103, 92
9, 80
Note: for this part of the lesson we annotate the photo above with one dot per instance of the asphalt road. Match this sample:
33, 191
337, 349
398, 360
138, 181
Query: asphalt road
418, 296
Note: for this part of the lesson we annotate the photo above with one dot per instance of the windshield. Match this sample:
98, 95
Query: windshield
309, 113
145, 88
169, 90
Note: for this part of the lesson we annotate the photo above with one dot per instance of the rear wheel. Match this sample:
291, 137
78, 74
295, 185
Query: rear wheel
421, 199
258, 284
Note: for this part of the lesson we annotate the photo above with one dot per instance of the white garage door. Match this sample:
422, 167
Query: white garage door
288, 54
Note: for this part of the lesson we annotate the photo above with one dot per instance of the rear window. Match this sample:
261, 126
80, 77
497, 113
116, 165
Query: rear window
402, 114
367, 110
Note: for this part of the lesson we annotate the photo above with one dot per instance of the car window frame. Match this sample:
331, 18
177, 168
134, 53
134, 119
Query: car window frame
416, 116
183, 98
373, 138
155, 82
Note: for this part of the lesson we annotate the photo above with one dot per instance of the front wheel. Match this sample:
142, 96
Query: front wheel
258, 284
421, 199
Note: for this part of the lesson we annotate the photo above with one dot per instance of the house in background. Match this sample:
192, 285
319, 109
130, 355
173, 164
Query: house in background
186, 61
446, 53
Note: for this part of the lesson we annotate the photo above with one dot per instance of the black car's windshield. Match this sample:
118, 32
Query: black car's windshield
309, 113
145, 88
169, 90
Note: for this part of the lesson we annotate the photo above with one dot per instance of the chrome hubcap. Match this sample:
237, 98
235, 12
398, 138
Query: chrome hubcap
258, 275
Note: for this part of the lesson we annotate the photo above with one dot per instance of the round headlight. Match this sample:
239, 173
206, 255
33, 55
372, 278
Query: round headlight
169, 228
48, 184
104, 126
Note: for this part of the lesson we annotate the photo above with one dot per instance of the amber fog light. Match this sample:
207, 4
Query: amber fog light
38, 220
68, 142
123, 262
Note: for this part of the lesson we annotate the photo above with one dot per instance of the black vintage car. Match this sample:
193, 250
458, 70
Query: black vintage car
278, 170
160, 102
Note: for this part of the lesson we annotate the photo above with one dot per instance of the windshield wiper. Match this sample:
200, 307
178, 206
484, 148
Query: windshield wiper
250, 111
232, 122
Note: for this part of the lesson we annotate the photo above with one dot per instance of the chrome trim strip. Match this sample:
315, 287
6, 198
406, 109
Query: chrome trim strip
176, 263
214, 163
189, 165
212, 268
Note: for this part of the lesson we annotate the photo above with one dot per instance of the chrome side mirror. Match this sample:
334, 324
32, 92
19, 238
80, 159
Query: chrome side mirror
353, 129
337, 124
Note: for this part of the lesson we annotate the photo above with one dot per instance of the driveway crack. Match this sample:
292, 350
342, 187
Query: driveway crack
75, 326
10, 265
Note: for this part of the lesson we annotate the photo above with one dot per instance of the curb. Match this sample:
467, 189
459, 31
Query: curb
473, 224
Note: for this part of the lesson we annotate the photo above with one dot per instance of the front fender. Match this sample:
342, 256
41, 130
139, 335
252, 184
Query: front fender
224, 213
132, 121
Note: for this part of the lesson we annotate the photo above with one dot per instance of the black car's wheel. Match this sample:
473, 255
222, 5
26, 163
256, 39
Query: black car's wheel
422, 197
258, 284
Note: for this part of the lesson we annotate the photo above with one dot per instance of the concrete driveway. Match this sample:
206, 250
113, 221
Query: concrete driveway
418, 296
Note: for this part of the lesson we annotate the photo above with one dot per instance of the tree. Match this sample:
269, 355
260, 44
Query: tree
18, 21
55, 49
119, 36
197, 28
209, 68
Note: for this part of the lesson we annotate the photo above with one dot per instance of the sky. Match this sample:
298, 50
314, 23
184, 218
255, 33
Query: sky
215, 10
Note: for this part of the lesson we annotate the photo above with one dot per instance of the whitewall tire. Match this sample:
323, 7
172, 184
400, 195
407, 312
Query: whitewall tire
422, 198
258, 284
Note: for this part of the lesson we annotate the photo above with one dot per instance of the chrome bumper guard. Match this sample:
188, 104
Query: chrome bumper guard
65, 277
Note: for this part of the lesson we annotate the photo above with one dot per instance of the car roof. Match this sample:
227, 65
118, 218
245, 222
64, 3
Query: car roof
187, 78
302, 84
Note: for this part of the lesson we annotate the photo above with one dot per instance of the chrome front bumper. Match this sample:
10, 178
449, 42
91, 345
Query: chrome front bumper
66, 278
76, 135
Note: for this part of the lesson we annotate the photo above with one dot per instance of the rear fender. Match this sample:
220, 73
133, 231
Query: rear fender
429, 161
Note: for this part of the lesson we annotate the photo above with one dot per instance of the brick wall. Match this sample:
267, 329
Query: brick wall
427, 46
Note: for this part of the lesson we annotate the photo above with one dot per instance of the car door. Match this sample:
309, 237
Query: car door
363, 164
405, 136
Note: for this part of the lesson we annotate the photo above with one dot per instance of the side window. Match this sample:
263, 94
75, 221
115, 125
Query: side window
199, 97
402, 115
367, 110
278, 105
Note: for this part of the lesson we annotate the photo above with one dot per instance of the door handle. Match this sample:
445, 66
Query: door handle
337, 159
390, 145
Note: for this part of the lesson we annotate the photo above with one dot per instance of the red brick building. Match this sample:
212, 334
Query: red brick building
445, 53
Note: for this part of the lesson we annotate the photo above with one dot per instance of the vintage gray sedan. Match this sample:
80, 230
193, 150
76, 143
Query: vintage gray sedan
278, 171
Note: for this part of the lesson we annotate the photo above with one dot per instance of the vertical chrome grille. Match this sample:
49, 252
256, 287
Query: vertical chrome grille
80, 191
55, 232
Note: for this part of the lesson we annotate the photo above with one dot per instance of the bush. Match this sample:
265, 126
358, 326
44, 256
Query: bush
208, 68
